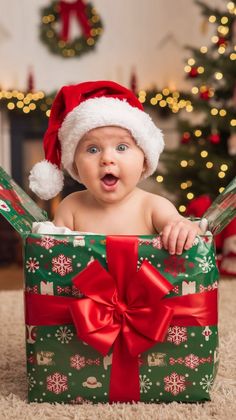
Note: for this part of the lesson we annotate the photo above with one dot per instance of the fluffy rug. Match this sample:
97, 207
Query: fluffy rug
13, 403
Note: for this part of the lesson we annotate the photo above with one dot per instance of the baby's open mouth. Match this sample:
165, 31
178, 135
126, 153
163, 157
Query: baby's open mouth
109, 180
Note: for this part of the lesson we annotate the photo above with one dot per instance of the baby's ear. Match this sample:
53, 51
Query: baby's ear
144, 166
76, 171
75, 168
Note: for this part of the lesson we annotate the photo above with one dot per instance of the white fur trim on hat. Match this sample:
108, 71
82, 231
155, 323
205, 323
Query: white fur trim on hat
46, 180
104, 111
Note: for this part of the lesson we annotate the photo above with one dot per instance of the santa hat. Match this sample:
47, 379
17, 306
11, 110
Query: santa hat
80, 108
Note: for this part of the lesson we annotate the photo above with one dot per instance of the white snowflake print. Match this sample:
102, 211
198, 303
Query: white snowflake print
191, 361
145, 383
64, 335
207, 382
196, 240
174, 383
57, 383
177, 335
157, 242
77, 361
32, 265
62, 265
205, 264
47, 242
31, 382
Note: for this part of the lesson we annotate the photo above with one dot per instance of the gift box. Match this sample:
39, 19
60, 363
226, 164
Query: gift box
114, 318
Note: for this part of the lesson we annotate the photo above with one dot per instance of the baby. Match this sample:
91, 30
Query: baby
104, 139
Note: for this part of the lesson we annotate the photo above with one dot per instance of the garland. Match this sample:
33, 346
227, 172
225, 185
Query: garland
26, 102
59, 43
162, 102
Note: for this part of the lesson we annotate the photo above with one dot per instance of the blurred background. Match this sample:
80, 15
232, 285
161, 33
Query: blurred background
178, 58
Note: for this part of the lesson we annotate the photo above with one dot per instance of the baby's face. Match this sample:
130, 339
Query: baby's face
109, 163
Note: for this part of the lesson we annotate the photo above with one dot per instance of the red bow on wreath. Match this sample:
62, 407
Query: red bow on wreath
66, 10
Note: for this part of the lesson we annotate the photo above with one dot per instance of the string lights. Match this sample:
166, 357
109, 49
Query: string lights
171, 100
31, 101
26, 102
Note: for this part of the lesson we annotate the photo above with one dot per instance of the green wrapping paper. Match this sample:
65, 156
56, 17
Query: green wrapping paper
62, 368
222, 210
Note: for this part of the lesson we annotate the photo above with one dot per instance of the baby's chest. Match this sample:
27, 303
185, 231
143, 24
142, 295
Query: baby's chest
117, 223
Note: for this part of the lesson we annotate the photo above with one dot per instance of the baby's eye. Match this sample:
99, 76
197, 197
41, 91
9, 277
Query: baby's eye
122, 147
92, 149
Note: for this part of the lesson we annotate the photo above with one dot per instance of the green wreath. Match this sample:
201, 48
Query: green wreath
68, 49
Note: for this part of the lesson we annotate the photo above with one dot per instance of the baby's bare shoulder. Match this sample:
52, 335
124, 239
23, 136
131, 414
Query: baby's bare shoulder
73, 198
155, 200
64, 215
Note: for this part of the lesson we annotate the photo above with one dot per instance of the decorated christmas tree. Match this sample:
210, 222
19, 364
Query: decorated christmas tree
205, 160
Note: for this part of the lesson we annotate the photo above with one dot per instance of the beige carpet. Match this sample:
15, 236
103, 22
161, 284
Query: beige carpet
13, 403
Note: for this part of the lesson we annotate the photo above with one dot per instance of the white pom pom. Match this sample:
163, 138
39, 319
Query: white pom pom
46, 180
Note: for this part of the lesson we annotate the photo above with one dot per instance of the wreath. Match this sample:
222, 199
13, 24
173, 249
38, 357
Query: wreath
58, 40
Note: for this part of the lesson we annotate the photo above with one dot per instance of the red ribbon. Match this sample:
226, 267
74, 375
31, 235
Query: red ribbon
123, 308
14, 199
79, 8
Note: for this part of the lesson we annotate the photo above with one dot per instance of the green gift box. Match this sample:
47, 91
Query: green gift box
114, 318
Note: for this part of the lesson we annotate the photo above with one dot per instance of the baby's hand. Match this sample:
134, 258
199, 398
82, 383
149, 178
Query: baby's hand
179, 235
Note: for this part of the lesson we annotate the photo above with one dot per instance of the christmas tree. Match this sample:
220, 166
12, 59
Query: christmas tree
205, 160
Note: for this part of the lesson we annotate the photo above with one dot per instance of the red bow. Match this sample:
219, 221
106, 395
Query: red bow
79, 8
122, 308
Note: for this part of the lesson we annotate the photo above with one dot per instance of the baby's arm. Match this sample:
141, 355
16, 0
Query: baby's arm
177, 232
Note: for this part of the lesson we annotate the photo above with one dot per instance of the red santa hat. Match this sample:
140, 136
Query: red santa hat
80, 108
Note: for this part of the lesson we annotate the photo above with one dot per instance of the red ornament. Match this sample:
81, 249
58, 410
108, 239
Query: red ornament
221, 41
186, 137
193, 72
214, 138
205, 94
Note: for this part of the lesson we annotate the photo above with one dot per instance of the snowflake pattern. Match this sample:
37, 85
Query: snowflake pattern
57, 383
31, 382
64, 335
62, 265
157, 242
191, 361
207, 382
205, 264
47, 242
177, 335
175, 383
32, 265
77, 361
174, 265
145, 383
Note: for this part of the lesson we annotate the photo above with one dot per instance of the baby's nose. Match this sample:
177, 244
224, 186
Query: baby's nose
106, 162
107, 159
